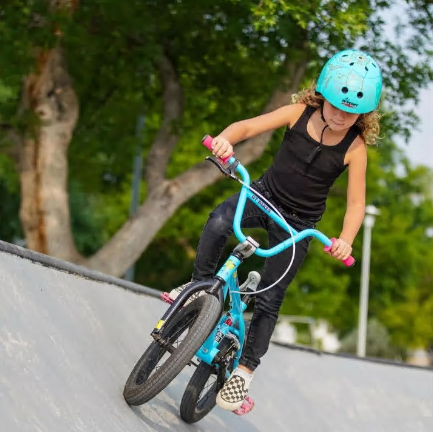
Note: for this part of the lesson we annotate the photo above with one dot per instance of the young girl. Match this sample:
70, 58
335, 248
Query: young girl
328, 128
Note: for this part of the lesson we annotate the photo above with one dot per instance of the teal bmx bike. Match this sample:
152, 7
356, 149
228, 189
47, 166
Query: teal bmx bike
201, 334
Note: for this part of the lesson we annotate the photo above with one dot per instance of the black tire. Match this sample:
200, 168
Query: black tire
199, 318
200, 395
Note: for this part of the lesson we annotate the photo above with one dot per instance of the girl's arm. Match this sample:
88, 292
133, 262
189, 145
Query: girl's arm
355, 209
242, 130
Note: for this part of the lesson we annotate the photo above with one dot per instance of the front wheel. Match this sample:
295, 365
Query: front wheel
185, 332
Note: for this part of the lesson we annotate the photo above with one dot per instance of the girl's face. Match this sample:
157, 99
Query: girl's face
337, 119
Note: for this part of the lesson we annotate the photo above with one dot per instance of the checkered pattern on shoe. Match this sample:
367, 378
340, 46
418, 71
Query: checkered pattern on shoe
235, 390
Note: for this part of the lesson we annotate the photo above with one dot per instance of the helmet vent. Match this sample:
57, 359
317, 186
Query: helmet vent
344, 89
366, 68
360, 95
351, 64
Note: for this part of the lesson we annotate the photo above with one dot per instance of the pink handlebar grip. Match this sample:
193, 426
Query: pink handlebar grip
207, 142
349, 262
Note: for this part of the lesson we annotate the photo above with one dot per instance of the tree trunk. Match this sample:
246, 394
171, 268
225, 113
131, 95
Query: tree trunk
44, 212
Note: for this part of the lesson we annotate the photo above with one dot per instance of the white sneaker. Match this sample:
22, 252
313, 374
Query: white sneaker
174, 294
235, 390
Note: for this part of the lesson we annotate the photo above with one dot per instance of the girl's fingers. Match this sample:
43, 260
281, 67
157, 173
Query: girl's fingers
217, 150
224, 151
221, 152
344, 253
341, 250
221, 148
335, 247
228, 152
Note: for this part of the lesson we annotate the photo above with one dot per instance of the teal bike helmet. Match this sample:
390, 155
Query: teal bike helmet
351, 81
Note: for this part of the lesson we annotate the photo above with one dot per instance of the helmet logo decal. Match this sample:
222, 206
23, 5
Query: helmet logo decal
348, 103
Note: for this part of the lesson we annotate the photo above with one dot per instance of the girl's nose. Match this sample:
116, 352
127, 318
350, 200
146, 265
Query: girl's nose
340, 114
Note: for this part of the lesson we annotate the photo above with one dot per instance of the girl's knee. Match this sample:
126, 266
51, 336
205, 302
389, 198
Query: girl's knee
220, 220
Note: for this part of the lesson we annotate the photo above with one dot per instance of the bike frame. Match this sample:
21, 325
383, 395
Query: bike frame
228, 272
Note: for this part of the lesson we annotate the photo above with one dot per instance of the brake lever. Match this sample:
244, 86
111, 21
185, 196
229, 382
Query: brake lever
229, 171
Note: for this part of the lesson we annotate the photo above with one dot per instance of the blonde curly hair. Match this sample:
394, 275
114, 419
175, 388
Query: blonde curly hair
367, 123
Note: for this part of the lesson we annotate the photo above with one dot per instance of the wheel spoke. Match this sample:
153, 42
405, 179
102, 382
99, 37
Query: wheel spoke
208, 385
181, 328
207, 391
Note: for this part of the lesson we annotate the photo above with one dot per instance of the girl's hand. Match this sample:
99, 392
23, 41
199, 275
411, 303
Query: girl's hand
221, 147
341, 249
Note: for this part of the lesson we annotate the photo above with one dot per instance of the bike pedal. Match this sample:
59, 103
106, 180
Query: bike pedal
246, 407
165, 297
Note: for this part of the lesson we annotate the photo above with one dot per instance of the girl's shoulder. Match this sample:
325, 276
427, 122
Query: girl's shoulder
299, 107
358, 143
357, 150
296, 111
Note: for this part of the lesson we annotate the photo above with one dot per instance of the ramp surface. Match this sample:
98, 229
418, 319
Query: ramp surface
67, 345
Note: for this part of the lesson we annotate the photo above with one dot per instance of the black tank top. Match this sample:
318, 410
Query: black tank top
300, 177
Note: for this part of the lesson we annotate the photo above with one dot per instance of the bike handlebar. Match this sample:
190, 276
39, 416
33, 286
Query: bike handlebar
349, 262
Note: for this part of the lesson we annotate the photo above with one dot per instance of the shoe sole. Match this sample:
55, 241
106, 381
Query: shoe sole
246, 407
228, 406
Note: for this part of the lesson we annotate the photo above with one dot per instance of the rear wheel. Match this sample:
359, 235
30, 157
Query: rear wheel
185, 333
200, 395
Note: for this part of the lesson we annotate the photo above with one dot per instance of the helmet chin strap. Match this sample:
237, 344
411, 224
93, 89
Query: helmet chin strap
324, 121
318, 149
321, 114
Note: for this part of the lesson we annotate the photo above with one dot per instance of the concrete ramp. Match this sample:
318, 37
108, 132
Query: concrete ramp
68, 343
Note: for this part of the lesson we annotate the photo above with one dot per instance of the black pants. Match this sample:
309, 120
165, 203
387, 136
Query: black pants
267, 304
